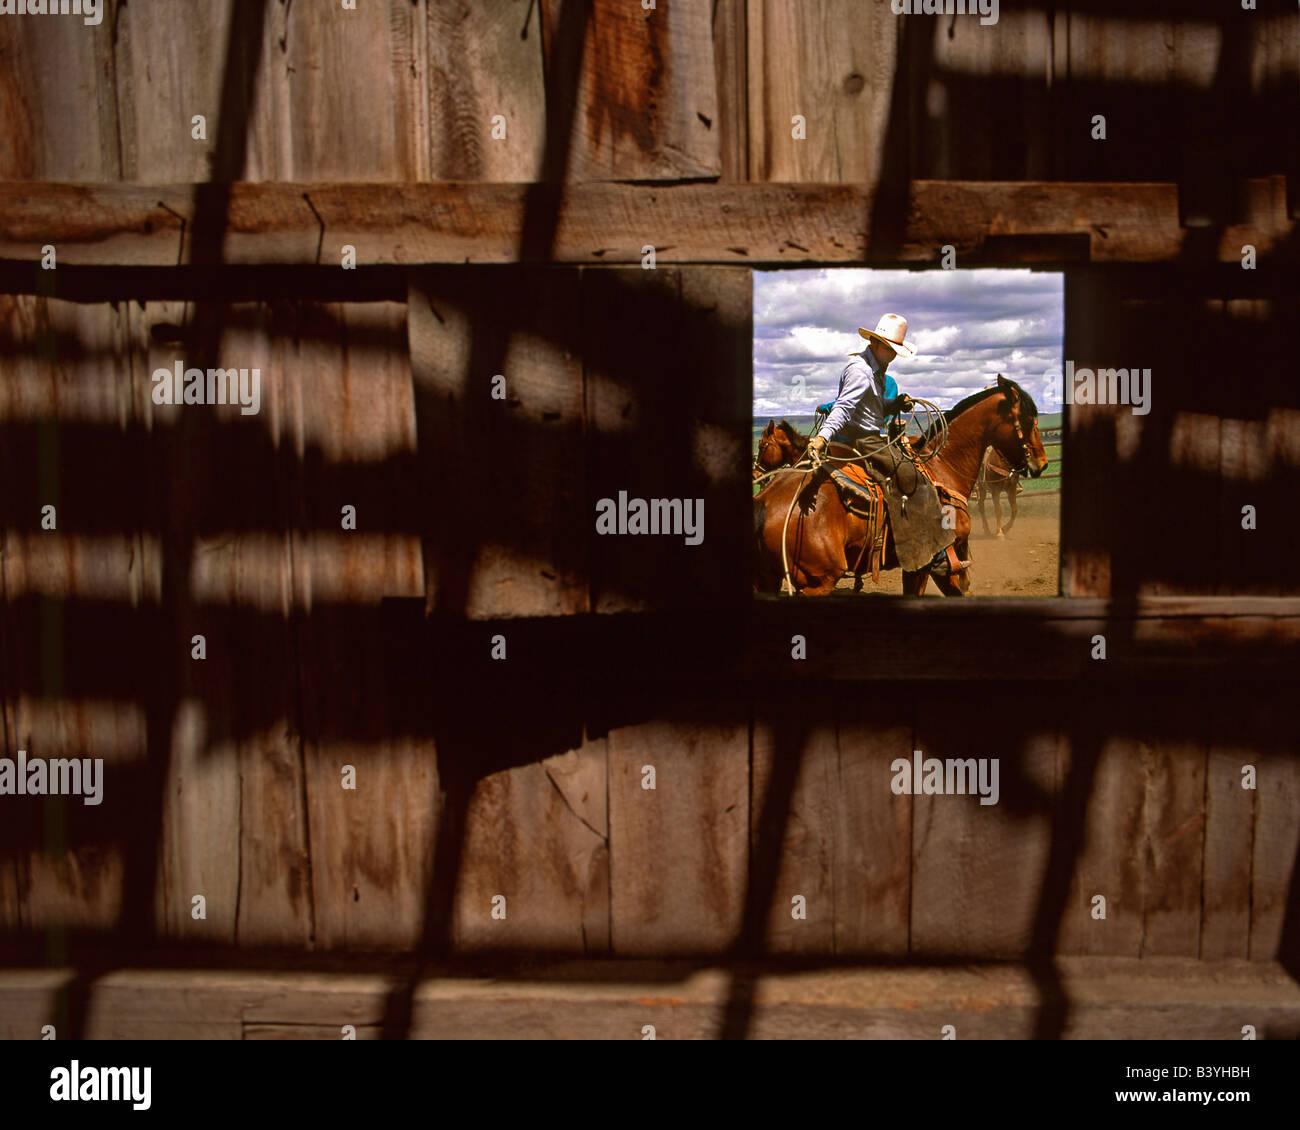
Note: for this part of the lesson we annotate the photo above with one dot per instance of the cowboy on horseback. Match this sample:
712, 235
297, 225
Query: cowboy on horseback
858, 417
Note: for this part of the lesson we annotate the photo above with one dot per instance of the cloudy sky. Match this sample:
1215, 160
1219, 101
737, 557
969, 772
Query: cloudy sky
966, 327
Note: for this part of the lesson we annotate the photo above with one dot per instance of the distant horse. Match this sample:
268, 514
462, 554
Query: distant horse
996, 478
823, 536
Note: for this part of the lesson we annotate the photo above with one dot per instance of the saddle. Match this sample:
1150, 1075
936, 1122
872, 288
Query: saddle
909, 494
859, 493
865, 498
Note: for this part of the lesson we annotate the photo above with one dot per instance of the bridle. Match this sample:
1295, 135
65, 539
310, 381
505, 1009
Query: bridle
1022, 467
763, 442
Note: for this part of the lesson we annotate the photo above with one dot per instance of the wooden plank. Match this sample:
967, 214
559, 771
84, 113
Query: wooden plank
57, 97
1172, 449
371, 848
1108, 861
632, 323
1230, 824
64, 858
1160, 639
1276, 850
1259, 450
1103, 69
485, 59
833, 64
349, 87
750, 224
1278, 43
978, 869
528, 556
311, 1032
1173, 841
716, 403
955, 138
236, 750
731, 68
347, 423
526, 842
645, 328
872, 830
198, 825
662, 900
645, 90
1110, 999
1154, 636
793, 791
170, 64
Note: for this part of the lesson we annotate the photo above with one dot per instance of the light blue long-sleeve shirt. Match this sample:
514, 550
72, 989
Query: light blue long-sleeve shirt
859, 406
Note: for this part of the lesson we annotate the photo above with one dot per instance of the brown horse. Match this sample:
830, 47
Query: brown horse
823, 536
996, 479
782, 444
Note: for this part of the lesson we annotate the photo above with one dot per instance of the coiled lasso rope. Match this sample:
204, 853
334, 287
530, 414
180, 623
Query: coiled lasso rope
934, 418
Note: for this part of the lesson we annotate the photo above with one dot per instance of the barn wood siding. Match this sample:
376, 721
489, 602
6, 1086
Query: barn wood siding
475, 781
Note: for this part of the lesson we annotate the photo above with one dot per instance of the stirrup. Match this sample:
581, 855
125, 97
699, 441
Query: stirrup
939, 564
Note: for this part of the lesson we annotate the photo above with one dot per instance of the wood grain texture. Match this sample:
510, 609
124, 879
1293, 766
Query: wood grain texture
786, 749
238, 707
731, 69
1102, 71
1276, 848
345, 85
485, 59
1174, 838
527, 843
1109, 860
516, 546
1230, 827
161, 78
1259, 450
686, 333
971, 67
1188, 445
347, 429
64, 859
679, 852
58, 102
978, 869
845, 838
632, 320
646, 94
200, 800
989, 223
833, 64
872, 829
1155, 635
1169, 998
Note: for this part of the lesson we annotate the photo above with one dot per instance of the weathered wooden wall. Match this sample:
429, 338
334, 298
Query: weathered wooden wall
224, 774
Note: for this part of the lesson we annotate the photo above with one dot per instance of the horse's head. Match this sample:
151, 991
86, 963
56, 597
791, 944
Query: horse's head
1014, 432
768, 456
778, 445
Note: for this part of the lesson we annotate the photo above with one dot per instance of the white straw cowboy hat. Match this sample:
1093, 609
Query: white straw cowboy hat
892, 330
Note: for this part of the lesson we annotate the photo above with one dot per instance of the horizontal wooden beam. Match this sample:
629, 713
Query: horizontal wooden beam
992, 639
1110, 998
604, 223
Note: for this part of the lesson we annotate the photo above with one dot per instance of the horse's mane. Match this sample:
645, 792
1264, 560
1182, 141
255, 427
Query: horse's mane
1026, 401
795, 436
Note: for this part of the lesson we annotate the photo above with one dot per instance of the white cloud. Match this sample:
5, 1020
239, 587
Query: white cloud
965, 325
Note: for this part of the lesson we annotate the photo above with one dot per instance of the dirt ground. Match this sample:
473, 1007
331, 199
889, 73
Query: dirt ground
1024, 562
